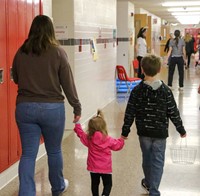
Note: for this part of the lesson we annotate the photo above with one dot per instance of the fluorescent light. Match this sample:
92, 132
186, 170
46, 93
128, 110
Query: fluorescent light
188, 19
183, 3
185, 13
181, 9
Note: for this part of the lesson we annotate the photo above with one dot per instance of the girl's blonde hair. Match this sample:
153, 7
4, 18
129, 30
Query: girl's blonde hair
97, 123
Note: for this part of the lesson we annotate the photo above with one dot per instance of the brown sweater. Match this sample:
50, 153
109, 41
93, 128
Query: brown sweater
42, 78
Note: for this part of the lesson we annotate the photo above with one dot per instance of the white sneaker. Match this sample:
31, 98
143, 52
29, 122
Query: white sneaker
180, 88
66, 185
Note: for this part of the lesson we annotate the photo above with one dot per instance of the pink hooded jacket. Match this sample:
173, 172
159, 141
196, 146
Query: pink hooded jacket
99, 150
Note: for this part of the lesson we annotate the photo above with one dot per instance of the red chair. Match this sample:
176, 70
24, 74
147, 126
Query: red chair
122, 76
135, 63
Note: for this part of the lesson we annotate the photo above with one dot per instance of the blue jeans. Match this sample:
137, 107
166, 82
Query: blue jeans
153, 153
34, 120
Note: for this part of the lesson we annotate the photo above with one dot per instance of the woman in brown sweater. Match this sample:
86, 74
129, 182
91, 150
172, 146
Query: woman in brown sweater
41, 70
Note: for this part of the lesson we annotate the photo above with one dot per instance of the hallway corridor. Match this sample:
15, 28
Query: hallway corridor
178, 179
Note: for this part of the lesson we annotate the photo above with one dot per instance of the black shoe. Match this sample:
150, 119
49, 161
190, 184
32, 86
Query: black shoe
144, 186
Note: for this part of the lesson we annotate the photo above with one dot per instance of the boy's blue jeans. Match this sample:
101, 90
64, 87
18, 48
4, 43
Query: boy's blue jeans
153, 153
34, 120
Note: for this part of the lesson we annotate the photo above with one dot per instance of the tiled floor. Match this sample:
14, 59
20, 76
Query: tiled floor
178, 179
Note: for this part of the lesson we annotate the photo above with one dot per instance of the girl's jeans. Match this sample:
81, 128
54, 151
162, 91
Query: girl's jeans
33, 120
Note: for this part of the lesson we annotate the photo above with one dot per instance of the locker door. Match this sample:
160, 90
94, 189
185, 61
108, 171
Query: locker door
12, 46
21, 13
3, 92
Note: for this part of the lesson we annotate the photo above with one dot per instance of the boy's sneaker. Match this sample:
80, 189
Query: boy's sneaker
144, 186
180, 89
66, 185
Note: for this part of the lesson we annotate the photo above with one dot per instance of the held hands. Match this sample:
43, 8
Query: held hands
182, 136
76, 118
124, 138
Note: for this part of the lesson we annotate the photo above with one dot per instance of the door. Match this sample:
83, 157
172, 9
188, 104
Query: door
3, 92
12, 46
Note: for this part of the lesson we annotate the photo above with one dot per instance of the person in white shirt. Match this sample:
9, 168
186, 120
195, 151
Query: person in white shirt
141, 48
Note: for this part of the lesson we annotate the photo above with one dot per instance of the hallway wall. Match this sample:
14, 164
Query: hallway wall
125, 34
89, 22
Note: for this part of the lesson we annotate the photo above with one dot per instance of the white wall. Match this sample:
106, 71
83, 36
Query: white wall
47, 7
95, 79
125, 29
87, 20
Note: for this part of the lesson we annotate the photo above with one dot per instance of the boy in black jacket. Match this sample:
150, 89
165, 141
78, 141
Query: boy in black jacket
151, 105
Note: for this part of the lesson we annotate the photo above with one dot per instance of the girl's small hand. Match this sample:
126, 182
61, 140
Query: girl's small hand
124, 138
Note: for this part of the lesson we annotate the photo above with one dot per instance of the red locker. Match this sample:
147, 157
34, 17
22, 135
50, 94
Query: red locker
3, 91
29, 14
21, 13
12, 46
15, 18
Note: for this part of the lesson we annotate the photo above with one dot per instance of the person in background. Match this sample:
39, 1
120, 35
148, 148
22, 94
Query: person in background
167, 47
189, 47
167, 43
178, 56
100, 145
41, 70
151, 104
141, 48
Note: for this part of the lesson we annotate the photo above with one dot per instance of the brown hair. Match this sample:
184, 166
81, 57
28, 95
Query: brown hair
41, 36
151, 65
177, 35
97, 123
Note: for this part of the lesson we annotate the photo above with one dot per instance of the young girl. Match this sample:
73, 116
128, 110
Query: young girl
99, 144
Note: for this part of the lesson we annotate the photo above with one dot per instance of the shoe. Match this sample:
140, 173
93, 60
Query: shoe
144, 186
180, 88
66, 185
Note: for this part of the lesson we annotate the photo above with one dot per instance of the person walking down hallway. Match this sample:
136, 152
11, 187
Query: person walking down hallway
189, 47
141, 49
151, 104
167, 43
100, 145
167, 47
41, 70
178, 55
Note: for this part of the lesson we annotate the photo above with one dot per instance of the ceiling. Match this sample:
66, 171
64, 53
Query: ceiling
155, 7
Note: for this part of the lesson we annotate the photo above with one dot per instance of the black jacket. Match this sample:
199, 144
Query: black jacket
151, 110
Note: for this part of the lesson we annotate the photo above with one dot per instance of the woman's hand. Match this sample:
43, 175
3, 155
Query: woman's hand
76, 118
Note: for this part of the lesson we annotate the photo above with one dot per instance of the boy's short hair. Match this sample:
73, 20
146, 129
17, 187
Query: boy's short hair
151, 65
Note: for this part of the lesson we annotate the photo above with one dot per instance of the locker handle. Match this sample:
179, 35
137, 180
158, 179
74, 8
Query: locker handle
11, 74
1, 76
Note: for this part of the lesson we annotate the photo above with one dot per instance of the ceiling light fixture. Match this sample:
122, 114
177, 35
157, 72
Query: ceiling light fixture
183, 9
185, 13
183, 3
188, 20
